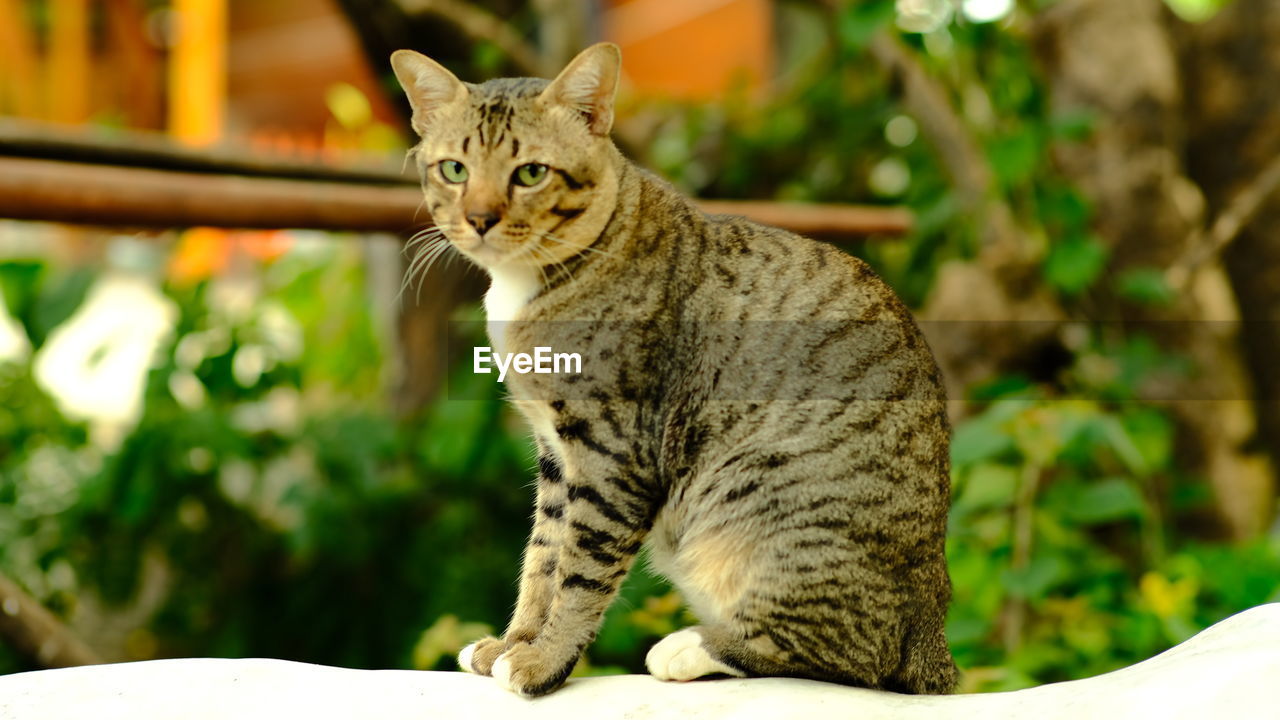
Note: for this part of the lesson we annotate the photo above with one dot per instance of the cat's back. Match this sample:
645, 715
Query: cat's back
794, 306
744, 270
788, 276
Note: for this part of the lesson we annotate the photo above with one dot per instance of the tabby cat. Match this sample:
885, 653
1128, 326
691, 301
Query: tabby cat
757, 407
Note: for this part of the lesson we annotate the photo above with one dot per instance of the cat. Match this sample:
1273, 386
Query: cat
759, 408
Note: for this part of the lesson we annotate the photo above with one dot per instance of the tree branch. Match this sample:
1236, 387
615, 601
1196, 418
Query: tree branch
482, 25
959, 154
1204, 245
34, 631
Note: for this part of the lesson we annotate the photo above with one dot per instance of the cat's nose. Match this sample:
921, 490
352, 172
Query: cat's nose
483, 221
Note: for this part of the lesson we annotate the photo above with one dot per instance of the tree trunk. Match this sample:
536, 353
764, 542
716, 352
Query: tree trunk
1118, 61
1231, 65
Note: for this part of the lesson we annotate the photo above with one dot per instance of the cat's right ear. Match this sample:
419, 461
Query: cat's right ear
427, 83
588, 85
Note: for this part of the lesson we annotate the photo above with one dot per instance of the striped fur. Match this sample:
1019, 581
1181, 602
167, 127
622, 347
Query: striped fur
758, 407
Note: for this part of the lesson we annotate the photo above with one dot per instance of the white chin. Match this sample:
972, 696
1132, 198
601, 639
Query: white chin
483, 254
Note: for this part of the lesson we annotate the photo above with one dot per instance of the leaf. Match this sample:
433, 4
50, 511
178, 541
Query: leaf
988, 485
1038, 435
1033, 581
860, 21
1064, 209
1073, 125
1151, 435
1106, 501
1122, 443
1146, 286
1015, 157
1073, 264
1003, 386
21, 282
987, 435
978, 440
966, 631
59, 300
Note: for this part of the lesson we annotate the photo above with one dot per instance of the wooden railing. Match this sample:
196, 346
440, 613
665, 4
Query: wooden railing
145, 180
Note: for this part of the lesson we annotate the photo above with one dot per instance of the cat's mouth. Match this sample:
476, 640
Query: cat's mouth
486, 251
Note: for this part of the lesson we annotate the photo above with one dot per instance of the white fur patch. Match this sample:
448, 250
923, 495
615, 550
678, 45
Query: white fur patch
510, 289
464, 657
680, 656
502, 672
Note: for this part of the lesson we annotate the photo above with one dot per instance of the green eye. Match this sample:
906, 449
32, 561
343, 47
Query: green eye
530, 175
453, 171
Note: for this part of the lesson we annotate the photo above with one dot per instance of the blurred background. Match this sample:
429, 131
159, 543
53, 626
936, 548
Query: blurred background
228, 429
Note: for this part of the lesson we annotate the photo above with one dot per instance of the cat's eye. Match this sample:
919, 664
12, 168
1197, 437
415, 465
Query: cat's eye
529, 175
453, 171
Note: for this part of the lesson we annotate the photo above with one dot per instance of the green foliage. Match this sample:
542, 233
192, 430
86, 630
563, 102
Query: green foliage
1073, 265
41, 297
858, 22
1063, 550
1146, 286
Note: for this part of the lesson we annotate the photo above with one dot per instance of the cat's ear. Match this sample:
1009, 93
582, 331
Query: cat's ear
427, 83
588, 85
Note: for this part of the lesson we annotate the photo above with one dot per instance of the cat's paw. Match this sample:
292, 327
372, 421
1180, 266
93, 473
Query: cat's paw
681, 656
478, 657
529, 671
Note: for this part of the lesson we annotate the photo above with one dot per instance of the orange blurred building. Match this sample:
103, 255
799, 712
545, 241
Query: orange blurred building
261, 72
692, 49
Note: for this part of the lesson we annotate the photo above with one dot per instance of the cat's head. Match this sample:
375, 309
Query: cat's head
516, 171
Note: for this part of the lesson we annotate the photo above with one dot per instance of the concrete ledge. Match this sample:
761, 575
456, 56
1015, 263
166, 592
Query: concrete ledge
1231, 670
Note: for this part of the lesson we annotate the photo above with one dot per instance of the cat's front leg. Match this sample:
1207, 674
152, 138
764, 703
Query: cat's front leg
537, 576
604, 527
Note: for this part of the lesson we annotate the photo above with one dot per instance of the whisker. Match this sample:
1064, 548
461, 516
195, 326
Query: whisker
426, 233
428, 247
542, 269
435, 255
448, 263
421, 264
420, 245
549, 256
587, 249
532, 250
411, 246
414, 264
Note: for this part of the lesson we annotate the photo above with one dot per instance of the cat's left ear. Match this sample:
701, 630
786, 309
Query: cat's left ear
588, 84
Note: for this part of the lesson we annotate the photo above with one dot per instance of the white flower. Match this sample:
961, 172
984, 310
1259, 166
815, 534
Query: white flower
95, 364
983, 11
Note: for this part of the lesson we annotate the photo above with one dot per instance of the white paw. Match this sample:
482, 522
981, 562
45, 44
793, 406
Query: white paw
502, 671
464, 657
680, 656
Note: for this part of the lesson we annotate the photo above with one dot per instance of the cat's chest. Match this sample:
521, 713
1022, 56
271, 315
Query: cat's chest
510, 290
